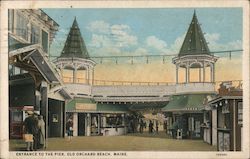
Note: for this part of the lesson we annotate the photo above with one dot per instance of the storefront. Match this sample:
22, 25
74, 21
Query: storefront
229, 122
96, 119
183, 112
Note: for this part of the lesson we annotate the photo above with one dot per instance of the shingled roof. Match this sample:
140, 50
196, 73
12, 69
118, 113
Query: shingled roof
185, 102
194, 42
74, 45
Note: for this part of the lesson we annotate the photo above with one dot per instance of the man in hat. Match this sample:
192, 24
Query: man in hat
30, 127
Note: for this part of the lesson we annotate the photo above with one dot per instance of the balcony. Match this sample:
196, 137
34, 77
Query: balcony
206, 87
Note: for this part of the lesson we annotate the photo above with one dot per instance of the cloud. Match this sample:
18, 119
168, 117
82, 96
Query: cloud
156, 43
110, 37
99, 27
176, 46
213, 38
214, 44
119, 39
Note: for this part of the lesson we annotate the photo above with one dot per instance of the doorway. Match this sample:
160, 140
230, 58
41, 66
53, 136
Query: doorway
81, 124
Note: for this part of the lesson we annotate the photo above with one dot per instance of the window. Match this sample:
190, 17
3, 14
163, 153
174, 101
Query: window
45, 41
112, 120
240, 113
35, 34
17, 116
22, 26
11, 20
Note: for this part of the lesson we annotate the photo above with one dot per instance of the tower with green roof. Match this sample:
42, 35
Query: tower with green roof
75, 58
185, 107
195, 54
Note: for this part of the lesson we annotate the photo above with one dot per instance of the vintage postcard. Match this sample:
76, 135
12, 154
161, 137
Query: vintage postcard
123, 79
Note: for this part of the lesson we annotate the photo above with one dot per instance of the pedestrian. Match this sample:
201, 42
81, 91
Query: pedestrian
41, 127
35, 131
166, 127
150, 127
174, 129
156, 126
69, 128
141, 126
30, 131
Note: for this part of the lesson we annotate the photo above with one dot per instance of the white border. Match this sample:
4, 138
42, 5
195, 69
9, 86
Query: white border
4, 145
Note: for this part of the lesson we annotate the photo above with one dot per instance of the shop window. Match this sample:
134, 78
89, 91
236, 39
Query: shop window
113, 120
35, 34
220, 119
16, 116
45, 41
22, 26
225, 109
240, 113
224, 141
55, 118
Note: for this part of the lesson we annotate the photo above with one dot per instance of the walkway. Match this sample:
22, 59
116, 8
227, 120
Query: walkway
130, 142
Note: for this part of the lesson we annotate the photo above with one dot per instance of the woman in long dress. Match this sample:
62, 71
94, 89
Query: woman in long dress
41, 126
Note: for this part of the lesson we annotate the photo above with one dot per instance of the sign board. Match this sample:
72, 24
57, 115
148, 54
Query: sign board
85, 106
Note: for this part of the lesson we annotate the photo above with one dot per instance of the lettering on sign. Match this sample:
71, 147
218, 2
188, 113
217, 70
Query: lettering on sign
85, 106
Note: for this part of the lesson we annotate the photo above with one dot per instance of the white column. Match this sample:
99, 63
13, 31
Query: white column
74, 75
124, 124
88, 124
177, 71
75, 124
93, 76
204, 72
99, 123
214, 127
187, 74
87, 75
199, 74
211, 73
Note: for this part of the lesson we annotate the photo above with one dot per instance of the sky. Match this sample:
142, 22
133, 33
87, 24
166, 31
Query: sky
150, 31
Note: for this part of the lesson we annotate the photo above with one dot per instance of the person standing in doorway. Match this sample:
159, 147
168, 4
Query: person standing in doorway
41, 127
69, 128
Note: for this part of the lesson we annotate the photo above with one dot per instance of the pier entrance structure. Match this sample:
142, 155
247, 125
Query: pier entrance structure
103, 109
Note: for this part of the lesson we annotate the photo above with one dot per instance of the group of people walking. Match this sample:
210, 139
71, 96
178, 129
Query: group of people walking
143, 125
34, 131
151, 127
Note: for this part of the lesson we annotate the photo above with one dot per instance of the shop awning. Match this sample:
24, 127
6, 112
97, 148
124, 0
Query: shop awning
32, 58
112, 107
189, 102
89, 105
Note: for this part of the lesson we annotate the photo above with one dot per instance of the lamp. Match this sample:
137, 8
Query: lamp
226, 102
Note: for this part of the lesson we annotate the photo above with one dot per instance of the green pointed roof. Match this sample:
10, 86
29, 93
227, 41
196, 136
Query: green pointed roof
74, 45
186, 102
194, 42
